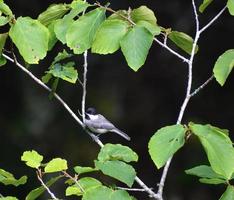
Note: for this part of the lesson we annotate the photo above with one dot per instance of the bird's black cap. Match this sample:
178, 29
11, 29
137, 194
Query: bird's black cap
91, 111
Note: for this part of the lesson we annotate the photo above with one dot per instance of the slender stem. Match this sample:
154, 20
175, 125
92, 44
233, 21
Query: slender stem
171, 50
84, 84
1, 195
213, 20
147, 189
187, 97
39, 82
202, 86
132, 189
74, 179
47, 189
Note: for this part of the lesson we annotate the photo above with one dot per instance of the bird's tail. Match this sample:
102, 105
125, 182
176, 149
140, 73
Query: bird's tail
119, 132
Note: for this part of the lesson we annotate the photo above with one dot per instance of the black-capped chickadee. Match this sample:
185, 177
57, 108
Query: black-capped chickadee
99, 124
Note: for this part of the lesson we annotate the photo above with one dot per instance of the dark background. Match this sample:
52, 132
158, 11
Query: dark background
138, 103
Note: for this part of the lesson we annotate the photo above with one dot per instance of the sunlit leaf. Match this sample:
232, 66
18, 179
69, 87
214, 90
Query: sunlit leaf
218, 147
204, 5
165, 142
8, 179
230, 5
62, 25
84, 184
31, 38
53, 12
109, 34
81, 170
106, 193
32, 158
224, 66
117, 152
143, 13
81, 33
118, 170
183, 41
228, 194
66, 71
135, 46
56, 165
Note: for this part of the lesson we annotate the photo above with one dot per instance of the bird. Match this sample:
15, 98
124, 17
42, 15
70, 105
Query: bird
99, 124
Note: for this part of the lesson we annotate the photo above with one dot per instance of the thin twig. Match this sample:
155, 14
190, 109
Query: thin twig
202, 86
147, 189
213, 20
45, 186
74, 179
186, 100
132, 189
84, 84
171, 50
1, 195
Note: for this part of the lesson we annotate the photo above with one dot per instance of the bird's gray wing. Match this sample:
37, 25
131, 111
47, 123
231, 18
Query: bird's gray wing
100, 123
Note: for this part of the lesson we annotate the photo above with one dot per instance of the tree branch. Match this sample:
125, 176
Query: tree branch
45, 186
84, 84
74, 179
202, 86
213, 20
187, 97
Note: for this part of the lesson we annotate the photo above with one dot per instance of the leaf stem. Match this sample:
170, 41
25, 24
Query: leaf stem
45, 186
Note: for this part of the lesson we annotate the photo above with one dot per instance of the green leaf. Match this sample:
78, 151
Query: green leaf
218, 147
81, 170
61, 56
34, 194
8, 179
86, 184
62, 25
3, 61
46, 78
109, 34
183, 41
224, 66
120, 15
143, 14
4, 8
212, 181
165, 142
106, 193
135, 46
52, 36
3, 37
8, 198
4, 20
81, 33
228, 194
117, 152
66, 71
203, 171
56, 165
230, 5
204, 5
32, 158
31, 38
153, 29
53, 12
118, 170
207, 173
